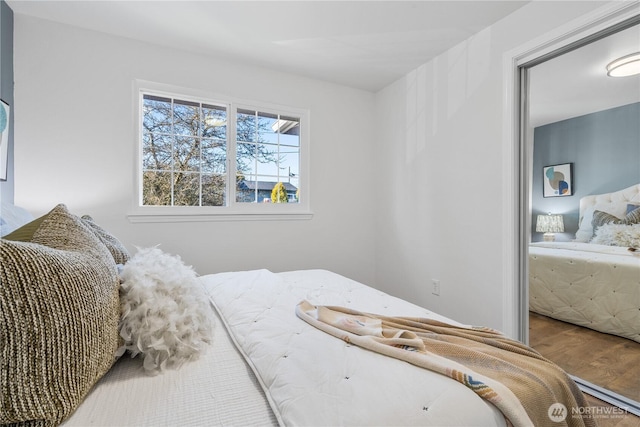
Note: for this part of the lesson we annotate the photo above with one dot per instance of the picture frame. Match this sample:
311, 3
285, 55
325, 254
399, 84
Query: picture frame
557, 180
5, 127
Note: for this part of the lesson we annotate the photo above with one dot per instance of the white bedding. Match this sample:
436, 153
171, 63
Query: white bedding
345, 385
217, 389
590, 285
279, 376
589, 247
12, 217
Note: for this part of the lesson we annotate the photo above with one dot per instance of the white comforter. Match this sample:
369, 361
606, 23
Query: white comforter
311, 378
590, 285
590, 247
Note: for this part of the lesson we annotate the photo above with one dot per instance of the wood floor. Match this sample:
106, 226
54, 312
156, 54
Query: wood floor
602, 359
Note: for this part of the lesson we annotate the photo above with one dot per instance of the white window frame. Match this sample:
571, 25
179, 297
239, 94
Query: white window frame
233, 211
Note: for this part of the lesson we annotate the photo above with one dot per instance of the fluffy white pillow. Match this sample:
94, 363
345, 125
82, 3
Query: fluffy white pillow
618, 235
166, 315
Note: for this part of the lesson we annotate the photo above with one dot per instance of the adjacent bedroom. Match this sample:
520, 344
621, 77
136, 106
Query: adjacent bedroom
319, 213
584, 256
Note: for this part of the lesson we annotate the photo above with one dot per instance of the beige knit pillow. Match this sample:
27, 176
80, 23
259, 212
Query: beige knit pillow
59, 313
117, 249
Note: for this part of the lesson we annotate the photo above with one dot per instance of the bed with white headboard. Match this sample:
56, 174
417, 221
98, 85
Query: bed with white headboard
594, 280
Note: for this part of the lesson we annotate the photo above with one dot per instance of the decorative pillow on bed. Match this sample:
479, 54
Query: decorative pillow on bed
117, 249
166, 316
585, 226
618, 235
60, 309
25, 233
632, 207
600, 218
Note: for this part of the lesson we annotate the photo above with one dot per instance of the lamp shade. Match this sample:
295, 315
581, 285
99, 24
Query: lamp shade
550, 224
626, 66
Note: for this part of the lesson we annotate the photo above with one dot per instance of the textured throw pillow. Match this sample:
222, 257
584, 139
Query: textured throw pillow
25, 233
601, 218
632, 207
117, 249
585, 225
59, 313
633, 217
166, 316
618, 235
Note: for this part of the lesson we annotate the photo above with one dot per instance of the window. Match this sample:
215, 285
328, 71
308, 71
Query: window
184, 152
211, 157
267, 157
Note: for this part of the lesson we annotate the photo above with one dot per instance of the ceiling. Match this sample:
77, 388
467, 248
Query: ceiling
360, 44
576, 83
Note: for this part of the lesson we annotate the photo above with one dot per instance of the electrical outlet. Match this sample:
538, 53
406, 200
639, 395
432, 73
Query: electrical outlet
436, 287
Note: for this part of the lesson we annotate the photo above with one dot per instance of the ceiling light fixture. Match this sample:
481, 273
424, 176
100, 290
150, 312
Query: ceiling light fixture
628, 65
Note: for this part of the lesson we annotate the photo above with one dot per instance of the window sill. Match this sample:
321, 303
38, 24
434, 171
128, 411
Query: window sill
163, 215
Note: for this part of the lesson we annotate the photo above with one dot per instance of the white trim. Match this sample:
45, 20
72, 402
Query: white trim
623, 402
510, 215
231, 160
515, 252
233, 211
244, 216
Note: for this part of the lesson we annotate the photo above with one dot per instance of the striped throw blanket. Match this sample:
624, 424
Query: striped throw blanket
527, 388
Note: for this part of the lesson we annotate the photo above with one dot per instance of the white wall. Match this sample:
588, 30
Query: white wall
441, 148
434, 170
75, 142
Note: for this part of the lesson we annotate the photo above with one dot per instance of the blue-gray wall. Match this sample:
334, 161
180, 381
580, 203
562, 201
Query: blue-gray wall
604, 148
6, 88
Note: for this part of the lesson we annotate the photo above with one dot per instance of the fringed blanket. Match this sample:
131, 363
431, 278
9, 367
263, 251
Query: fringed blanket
527, 388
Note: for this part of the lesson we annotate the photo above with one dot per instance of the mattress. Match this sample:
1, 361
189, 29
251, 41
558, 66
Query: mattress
590, 285
314, 379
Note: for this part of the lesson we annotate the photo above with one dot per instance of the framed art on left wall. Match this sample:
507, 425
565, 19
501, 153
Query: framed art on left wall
557, 180
4, 139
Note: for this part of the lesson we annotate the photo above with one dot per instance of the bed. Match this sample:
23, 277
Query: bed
242, 348
593, 281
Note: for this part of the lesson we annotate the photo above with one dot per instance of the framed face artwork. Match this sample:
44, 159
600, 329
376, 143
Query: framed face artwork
557, 180
4, 139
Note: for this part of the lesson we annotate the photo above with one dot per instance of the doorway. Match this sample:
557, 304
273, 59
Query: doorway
538, 111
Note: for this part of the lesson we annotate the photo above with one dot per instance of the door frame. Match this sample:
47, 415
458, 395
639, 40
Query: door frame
518, 159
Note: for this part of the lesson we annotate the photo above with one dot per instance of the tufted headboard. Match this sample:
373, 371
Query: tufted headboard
614, 203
